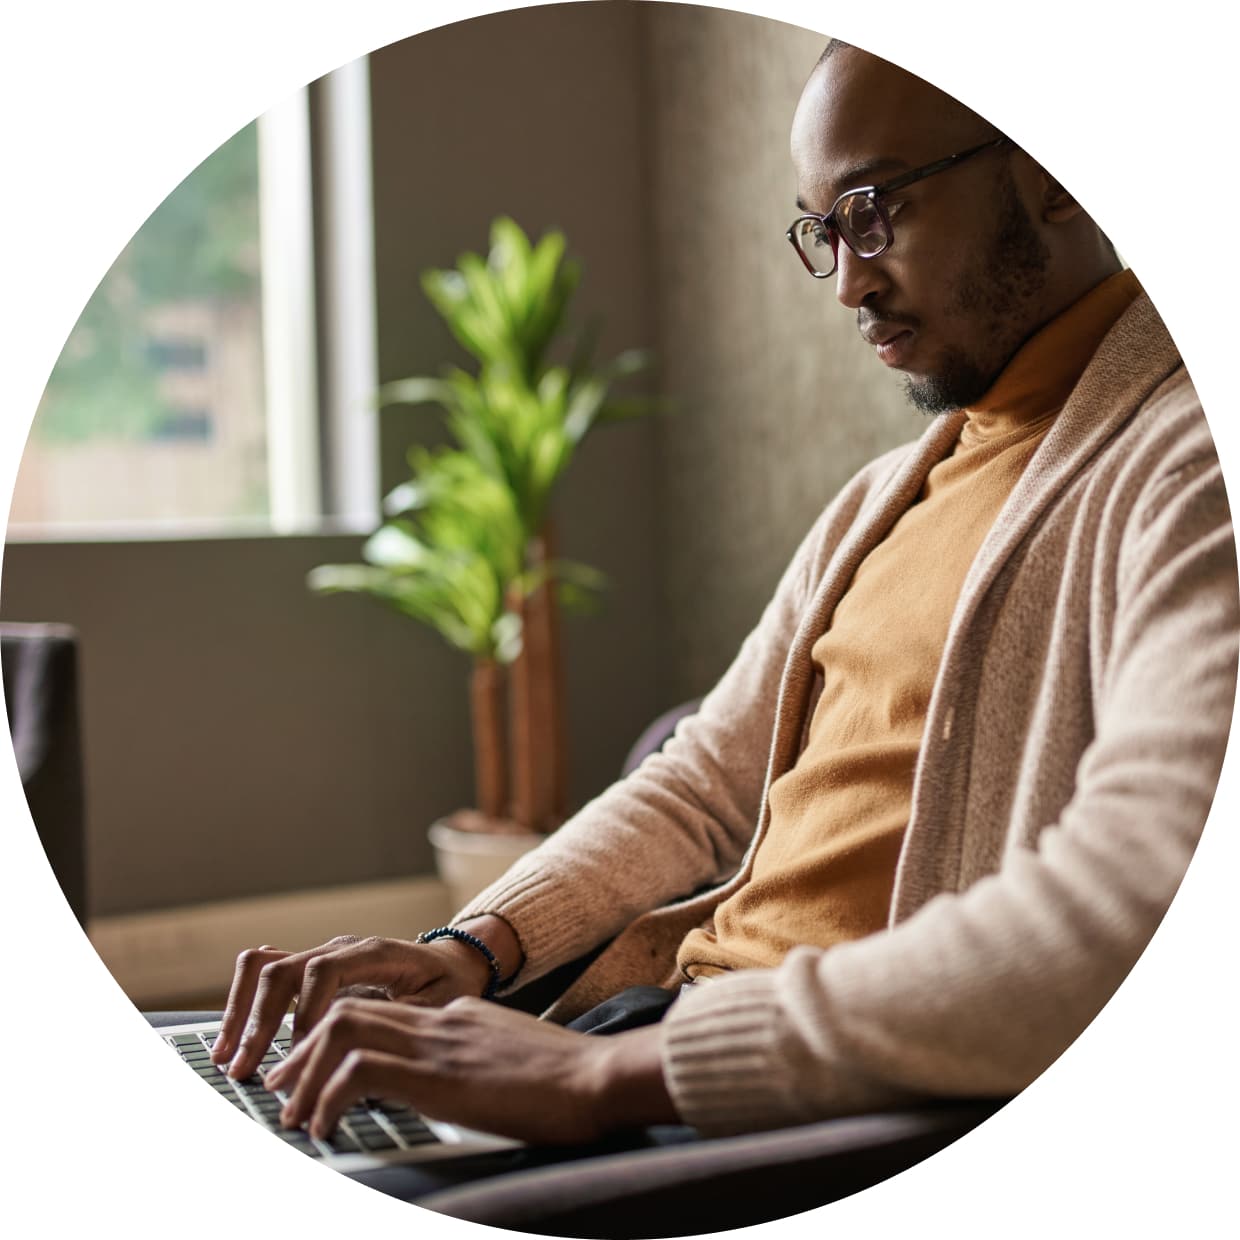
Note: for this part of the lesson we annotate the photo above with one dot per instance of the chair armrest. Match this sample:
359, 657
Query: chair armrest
712, 1185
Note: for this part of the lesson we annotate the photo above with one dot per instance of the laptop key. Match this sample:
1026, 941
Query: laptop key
409, 1122
416, 1136
341, 1143
298, 1140
372, 1125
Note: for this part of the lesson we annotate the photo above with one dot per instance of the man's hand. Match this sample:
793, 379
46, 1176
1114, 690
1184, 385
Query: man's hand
478, 1064
267, 980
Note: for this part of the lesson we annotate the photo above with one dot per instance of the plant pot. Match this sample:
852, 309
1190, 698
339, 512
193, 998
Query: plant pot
469, 861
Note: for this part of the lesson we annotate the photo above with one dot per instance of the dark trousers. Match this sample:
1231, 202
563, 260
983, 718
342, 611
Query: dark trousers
630, 1009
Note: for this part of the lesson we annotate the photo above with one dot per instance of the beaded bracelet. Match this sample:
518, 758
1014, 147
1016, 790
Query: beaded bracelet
463, 936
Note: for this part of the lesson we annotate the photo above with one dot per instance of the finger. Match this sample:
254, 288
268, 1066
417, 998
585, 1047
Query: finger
240, 998
352, 1025
288, 1072
363, 1074
363, 992
278, 981
373, 961
285, 1075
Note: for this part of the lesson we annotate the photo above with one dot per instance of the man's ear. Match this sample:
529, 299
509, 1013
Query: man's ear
1058, 206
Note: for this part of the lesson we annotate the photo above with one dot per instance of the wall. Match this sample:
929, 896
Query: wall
779, 400
242, 736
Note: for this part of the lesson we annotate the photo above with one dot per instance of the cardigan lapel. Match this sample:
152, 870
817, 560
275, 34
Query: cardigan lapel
1109, 393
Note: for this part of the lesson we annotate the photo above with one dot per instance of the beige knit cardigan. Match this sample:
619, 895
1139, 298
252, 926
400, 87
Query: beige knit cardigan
1072, 746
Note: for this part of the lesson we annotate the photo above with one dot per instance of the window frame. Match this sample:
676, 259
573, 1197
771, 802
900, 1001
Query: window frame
318, 323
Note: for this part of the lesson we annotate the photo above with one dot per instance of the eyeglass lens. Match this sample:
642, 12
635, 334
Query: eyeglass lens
860, 225
817, 242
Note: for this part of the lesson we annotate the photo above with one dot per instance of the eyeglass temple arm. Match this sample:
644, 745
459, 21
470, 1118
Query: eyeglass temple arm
939, 165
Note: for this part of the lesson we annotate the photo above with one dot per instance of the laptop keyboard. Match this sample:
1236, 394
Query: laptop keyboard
368, 1127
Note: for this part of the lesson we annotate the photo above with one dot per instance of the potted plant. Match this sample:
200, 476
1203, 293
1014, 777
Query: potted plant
469, 547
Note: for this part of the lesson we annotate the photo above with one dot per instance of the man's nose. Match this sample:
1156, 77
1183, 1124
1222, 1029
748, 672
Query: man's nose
857, 278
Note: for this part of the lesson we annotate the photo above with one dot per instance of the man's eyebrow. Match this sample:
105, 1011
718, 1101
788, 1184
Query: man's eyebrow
867, 173
862, 174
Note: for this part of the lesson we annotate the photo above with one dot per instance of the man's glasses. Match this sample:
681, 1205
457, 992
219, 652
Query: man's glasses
860, 219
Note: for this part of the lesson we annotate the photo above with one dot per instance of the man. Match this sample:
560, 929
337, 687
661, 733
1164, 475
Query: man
930, 817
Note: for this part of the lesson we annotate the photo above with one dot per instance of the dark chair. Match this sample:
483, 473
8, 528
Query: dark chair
711, 1185
41, 694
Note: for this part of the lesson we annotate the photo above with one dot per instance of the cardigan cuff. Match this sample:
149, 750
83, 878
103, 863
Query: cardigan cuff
722, 1058
530, 900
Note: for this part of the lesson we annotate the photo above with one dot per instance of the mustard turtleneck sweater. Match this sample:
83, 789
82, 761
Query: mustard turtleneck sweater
825, 869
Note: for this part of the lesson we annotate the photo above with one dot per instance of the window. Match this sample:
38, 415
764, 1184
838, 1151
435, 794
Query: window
188, 395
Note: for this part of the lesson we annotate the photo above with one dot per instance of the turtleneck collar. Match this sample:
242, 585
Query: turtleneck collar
1038, 380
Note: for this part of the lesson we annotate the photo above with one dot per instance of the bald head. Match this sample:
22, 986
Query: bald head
857, 108
984, 251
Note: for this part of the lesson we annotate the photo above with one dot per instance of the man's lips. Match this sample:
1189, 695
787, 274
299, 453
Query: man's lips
892, 340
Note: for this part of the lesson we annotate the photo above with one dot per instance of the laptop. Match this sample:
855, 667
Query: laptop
371, 1134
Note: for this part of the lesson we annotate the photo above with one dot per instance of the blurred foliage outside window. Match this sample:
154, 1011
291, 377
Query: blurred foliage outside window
154, 410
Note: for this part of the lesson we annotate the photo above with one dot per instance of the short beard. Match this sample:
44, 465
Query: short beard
958, 385
1006, 277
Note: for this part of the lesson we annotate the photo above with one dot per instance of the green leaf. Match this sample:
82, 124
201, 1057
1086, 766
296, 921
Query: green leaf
576, 600
626, 408
584, 348
486, 302
580, 575
333, 578
416, 392
627, 364
506, 636
584, 405
395, 546
403, 498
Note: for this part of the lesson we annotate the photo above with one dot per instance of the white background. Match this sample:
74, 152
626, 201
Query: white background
104, 107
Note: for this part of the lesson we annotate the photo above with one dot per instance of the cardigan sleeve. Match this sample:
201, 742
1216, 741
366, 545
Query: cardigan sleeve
978, 992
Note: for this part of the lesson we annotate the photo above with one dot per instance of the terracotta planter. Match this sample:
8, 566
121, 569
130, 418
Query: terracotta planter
468, 861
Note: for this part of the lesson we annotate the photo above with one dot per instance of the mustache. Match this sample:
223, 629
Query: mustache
869, 319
